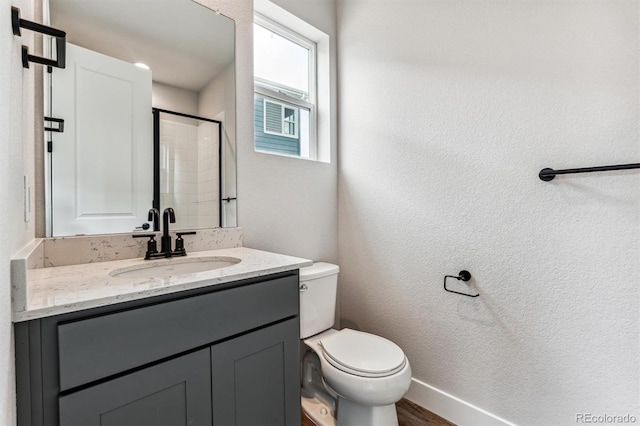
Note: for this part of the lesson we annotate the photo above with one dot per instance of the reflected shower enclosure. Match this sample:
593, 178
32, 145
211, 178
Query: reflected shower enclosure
187, 168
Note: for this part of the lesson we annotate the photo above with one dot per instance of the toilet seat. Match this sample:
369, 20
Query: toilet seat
362, 354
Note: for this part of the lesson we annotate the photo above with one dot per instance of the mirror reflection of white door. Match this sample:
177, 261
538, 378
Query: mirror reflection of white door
102, 164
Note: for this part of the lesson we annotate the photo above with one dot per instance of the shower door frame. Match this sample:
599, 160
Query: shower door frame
156, 158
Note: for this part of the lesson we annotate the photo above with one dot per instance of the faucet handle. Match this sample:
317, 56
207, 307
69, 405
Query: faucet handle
180, 234
180, 251
152, 245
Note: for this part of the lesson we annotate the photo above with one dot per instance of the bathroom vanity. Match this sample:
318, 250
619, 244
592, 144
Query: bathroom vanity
223, 352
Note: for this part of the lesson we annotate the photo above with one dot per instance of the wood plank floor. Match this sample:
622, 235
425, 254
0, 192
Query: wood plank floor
409, 414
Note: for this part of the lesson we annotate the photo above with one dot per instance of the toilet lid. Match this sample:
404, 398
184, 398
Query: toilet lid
363, 354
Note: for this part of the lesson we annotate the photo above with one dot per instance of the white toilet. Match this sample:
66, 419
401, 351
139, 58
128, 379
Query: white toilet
348, 377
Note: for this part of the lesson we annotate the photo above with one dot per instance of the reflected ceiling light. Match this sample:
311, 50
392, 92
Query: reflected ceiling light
142, 65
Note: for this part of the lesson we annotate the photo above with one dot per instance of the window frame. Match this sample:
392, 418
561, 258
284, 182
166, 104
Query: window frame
263, 88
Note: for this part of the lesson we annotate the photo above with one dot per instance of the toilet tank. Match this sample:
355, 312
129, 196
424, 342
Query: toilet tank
318, 287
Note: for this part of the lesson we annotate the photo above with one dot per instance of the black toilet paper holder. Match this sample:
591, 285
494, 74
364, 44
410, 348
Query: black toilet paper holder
462, 276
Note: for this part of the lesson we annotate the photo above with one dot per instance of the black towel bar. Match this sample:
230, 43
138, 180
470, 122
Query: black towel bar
548, 174
60, 36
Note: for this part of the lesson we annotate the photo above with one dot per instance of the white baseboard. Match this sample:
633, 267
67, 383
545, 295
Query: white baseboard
451, 408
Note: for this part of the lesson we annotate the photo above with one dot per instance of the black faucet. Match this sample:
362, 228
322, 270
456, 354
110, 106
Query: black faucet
154, 215
165, 242
168, 216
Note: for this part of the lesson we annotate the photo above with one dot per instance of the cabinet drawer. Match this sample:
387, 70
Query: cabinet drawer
95, 348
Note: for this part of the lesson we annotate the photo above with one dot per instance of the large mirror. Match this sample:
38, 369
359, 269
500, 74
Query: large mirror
148, 103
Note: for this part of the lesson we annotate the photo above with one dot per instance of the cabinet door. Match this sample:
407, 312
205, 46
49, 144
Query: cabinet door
256, 377
175, 392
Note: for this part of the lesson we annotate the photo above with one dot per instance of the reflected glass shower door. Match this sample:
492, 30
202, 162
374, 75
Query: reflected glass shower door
188, 168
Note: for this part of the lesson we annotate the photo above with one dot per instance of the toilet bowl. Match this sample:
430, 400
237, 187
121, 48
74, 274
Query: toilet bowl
354, 378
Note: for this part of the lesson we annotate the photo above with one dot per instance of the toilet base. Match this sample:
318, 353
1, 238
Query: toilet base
351, 413
318, 411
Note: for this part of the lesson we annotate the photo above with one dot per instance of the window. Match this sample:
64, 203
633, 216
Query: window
280, 119
285, 90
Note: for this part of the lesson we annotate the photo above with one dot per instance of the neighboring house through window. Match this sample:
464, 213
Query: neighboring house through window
285, 90
280, 119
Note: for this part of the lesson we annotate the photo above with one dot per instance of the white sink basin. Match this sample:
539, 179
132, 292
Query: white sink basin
170, 267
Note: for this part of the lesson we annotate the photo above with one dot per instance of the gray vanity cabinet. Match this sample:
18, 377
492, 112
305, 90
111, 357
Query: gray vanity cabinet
172, 393
223, 355
253, 384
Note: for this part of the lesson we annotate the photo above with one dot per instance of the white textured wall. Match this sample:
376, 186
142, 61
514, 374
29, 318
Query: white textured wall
284, 205
448, 110
289, 205
16, 161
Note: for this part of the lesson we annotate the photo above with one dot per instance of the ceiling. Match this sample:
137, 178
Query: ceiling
184, 43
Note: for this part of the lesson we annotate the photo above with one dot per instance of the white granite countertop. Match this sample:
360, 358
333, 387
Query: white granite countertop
62, 289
